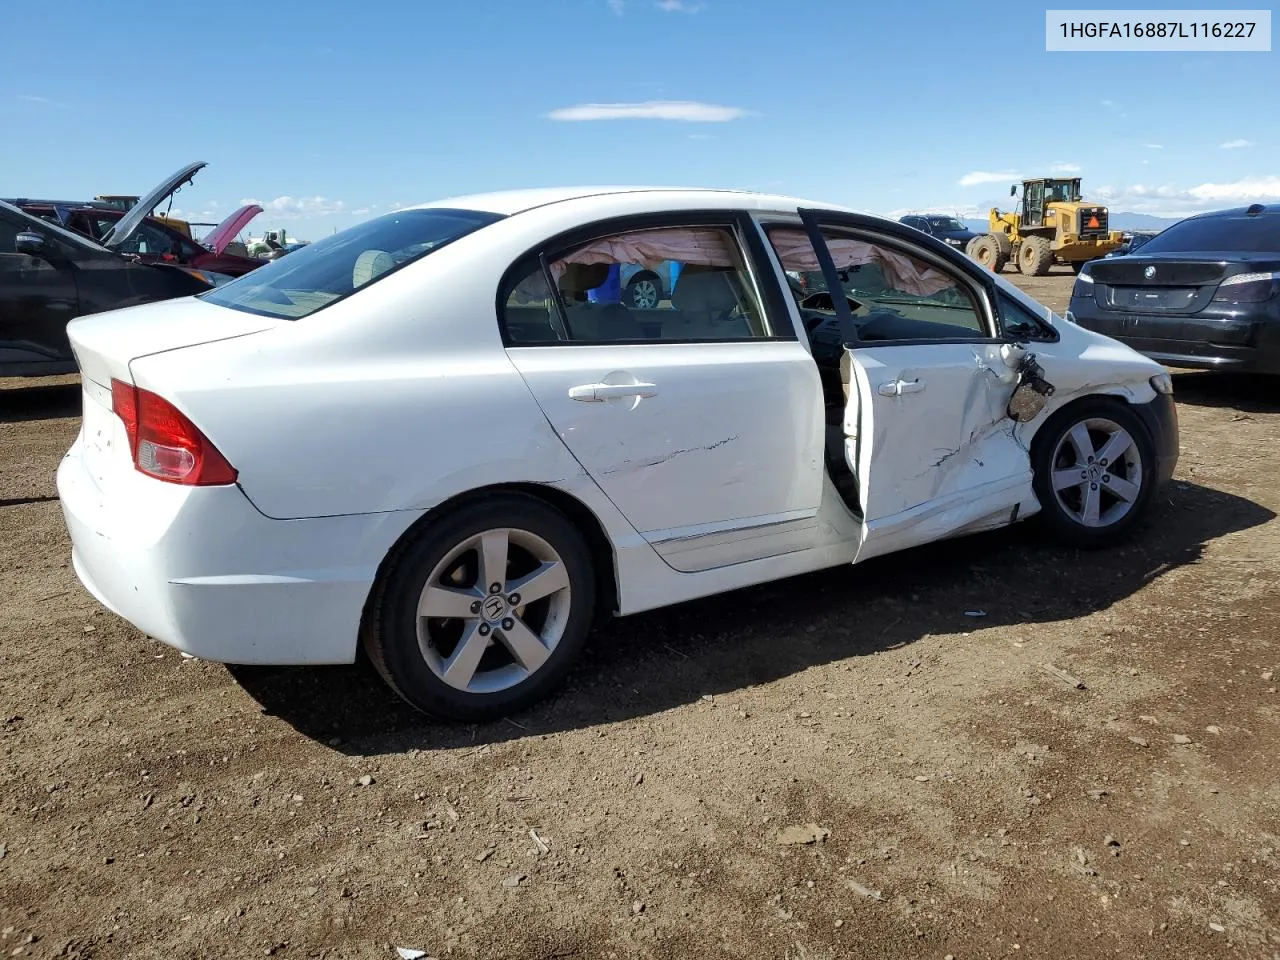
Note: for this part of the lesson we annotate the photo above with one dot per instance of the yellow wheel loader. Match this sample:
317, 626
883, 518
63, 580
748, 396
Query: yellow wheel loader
1051, 224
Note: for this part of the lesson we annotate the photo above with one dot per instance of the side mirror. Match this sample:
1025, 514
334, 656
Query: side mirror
1013, 191
30, 243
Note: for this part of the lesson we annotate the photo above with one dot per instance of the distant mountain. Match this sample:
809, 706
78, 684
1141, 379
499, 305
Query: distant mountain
1141, 221
1119, 221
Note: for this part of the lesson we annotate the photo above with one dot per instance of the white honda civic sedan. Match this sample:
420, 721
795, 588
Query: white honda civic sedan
443, 435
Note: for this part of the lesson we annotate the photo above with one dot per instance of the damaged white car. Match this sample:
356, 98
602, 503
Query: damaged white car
446, 435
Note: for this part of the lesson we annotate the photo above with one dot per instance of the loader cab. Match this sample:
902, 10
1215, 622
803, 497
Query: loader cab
1038, 194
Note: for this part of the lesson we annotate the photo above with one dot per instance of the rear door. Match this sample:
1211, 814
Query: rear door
701, 417
927, 434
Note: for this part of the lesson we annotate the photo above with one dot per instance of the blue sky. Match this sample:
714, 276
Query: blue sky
329, 112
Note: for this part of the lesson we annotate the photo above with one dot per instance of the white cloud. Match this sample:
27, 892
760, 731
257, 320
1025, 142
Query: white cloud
359, 211
295, 208
686, 110
33, 99
1064, 167
965, 211
1169, 201
1235, 144
678, 6
617, 6
1249, 189
1154, 146
979, 176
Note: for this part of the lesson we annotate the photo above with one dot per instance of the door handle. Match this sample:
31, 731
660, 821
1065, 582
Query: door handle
598, 392
896, 388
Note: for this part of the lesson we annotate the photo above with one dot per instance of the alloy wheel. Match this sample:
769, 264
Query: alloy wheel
1097, 472
493, 610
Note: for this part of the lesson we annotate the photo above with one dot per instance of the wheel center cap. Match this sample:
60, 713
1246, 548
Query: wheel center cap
494, 607
1095, 472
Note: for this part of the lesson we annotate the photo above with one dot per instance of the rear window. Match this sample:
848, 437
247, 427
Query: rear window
321, 273
1219, 235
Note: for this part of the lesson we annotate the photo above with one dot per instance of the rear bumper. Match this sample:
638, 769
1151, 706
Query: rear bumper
203, 571
1204, 342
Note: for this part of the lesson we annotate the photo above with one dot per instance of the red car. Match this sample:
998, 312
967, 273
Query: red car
149, 238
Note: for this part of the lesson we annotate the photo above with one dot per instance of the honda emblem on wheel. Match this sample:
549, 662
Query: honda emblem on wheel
1149, 272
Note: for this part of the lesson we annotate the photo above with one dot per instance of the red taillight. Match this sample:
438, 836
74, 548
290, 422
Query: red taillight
164, 443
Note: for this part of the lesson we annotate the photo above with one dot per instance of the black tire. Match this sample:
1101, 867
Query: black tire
389, 633
987, 252
1035, 256
644, 291
1061, 522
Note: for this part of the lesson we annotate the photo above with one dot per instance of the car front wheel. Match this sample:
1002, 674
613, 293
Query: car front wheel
483, 612
1094, 470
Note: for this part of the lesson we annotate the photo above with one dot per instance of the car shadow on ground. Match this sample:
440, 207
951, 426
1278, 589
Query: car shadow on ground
1251, 393
41, 402
648, 663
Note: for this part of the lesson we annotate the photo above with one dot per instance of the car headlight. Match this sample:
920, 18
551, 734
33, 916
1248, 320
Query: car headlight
1162, 383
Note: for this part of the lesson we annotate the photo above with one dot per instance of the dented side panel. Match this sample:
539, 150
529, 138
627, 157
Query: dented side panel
922, 453
715, 438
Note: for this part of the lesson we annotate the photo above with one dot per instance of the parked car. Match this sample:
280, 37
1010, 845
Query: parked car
1131, 242
419, 435
947, 229
637, 285
49, 274
150, 238
1205, 293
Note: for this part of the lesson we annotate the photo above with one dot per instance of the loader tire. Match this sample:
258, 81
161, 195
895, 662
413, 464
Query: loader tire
1035, 257
986, 250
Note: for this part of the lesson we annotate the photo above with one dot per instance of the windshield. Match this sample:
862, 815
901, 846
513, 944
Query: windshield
312, 277
1219, 235
1061, 191
945, 223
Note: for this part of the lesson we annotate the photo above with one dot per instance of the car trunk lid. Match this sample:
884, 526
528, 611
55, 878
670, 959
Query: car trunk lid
1159, 285
104, 344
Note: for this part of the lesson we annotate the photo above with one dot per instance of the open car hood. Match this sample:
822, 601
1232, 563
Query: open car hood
221, 235
125, 226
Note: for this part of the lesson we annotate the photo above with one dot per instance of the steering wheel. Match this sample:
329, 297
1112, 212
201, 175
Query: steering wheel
822, 300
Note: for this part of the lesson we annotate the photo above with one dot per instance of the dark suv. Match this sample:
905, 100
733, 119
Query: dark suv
947, 229
1203, 293
50, 275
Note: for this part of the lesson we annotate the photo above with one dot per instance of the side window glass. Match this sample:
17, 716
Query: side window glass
670, 283
893, 295
530, 314
1019, 323
8, 236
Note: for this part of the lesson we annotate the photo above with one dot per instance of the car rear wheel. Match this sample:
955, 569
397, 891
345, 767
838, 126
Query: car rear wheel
644, 292
1094, 470
483, 612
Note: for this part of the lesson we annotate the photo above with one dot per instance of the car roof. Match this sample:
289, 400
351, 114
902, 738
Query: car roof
69, 236
510, 202
1254, 210
78, 204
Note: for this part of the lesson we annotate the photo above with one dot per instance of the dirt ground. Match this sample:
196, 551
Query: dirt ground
967, 803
